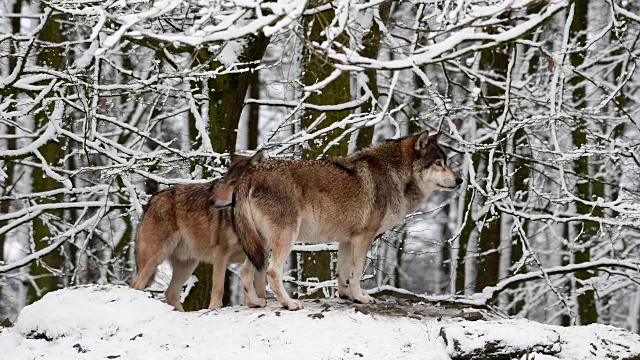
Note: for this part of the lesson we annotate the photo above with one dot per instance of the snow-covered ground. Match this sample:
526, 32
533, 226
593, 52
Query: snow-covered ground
115, 322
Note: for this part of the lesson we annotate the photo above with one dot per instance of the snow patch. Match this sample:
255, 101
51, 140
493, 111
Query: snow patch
230, 53
504, 337
98, 310
109, 321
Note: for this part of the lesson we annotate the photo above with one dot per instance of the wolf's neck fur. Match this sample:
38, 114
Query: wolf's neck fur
395, 160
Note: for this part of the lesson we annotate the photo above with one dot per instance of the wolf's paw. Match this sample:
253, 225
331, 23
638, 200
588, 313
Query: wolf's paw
364, 299
294, 305
174, 300
345, 294
260, 302
215, 305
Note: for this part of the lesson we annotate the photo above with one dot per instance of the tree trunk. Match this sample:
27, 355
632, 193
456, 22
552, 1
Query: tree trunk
520, 186
226, 94
467, 230
488, 274
586, 300
46, 281
8, 165
317, 265
254, 112
372, 41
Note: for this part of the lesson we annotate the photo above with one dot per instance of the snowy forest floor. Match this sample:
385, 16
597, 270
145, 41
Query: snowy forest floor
116, 322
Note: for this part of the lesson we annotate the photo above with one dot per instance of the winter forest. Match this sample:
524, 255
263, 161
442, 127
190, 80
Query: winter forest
104, 103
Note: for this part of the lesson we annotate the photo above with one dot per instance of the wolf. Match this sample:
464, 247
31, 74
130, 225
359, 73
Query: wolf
345, 199
180, 224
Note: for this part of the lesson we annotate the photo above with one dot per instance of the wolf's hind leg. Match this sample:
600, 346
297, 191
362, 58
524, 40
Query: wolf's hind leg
281, 248
217, 288
153, 246
182, 269
260, 283
344, 270
247, 274
359, 248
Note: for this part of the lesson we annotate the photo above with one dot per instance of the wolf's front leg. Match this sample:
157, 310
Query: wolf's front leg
344, 270
217, 288
182, 269
359, 248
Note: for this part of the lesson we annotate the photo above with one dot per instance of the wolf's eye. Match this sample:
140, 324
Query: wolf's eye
438, 162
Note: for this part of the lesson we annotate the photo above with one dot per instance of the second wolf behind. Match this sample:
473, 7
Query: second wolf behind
350, 200
181, 225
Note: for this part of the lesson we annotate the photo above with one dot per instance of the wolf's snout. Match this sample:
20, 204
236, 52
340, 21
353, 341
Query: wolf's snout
459, 181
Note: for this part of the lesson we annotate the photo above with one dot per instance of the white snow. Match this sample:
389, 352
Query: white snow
89, 309
109, 321
231, 52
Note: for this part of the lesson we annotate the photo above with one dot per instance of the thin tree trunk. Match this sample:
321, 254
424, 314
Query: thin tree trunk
521, 176
467, 230
586, 300
8, 165
254, 112
488, 274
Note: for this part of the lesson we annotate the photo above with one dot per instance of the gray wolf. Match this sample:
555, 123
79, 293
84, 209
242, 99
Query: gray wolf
180, 224
345, 199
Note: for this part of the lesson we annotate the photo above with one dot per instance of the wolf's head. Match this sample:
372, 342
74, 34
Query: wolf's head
223, 191
430, 169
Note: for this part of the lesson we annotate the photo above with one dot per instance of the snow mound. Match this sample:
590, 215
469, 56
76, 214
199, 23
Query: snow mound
115, 322
598, 341
96, 309
506, 337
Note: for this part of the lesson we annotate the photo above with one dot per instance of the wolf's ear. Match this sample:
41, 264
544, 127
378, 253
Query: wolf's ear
435, 138
257, 158
235, 158
421, 143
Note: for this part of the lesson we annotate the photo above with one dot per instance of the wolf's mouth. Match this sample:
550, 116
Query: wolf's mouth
440, 186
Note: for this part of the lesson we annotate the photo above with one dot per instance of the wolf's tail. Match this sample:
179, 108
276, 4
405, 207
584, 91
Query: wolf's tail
245, 228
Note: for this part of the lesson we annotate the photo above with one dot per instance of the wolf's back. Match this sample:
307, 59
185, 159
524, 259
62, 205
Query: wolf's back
245, 228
